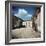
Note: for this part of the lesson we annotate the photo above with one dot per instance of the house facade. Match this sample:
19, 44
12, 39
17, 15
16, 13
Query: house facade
28, 24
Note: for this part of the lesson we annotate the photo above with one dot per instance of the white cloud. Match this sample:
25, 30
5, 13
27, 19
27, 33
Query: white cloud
22, 12
16, 15
29, 15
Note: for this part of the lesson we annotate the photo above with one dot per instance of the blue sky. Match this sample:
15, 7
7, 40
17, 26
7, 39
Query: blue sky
24, 13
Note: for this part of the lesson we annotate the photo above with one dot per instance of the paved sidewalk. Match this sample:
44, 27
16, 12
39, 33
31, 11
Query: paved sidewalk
25, 33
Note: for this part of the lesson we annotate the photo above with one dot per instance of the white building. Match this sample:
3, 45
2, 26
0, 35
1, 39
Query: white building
27, 24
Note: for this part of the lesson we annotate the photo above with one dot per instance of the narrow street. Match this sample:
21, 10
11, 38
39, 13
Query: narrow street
25, 33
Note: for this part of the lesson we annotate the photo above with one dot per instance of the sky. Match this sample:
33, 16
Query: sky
24, 13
